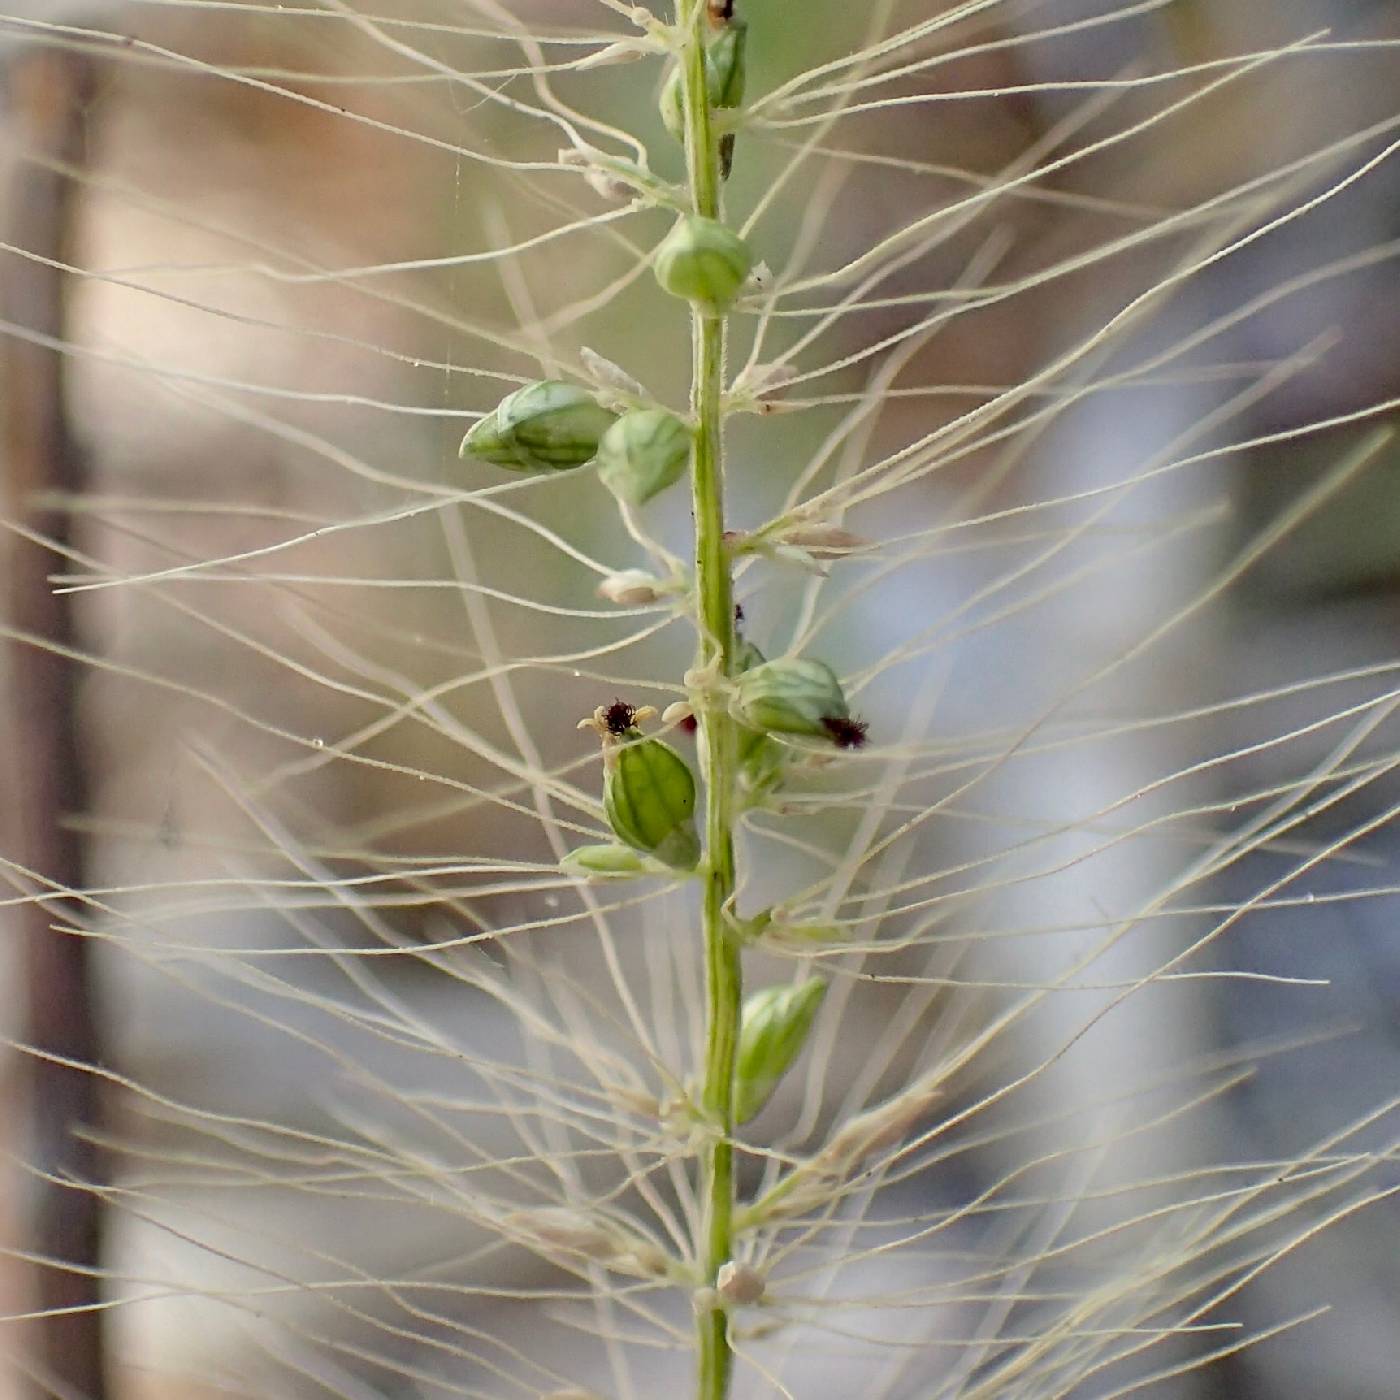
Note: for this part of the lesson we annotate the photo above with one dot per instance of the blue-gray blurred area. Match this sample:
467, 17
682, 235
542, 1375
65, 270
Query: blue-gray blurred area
1322, 602
241, 404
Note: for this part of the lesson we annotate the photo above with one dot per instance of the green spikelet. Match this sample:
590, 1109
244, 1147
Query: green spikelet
704, 262
649, 800
794, 696
544, 426
774, 1028
643, 453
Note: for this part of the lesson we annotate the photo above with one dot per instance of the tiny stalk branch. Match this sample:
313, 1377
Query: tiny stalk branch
715, 603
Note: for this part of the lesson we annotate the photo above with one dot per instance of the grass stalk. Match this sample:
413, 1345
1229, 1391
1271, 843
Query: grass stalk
715, 606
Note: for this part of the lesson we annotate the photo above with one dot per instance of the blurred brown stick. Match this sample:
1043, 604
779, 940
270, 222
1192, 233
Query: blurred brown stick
47, 93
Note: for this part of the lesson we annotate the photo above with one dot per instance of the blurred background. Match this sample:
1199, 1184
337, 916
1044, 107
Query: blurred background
253, 295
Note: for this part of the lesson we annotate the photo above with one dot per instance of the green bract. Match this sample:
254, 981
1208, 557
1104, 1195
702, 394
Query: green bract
704, 262
604, 862
545, 426
772, 1032
649, 798
794, 696
643, 453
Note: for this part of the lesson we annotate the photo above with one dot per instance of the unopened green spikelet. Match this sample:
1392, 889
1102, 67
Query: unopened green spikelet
775, 1026
704, 262
649, 799
643, 453
792, 696
545, 426
648, 788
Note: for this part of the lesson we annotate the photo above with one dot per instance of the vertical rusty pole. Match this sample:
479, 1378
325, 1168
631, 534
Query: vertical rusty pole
47, 93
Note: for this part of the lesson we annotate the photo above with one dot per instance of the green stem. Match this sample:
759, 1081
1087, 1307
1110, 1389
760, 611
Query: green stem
714, 593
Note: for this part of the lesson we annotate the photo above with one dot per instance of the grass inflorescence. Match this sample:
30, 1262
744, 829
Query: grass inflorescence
675, 777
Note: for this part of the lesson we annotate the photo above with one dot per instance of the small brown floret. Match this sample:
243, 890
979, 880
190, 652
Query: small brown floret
620, 717
846, 733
